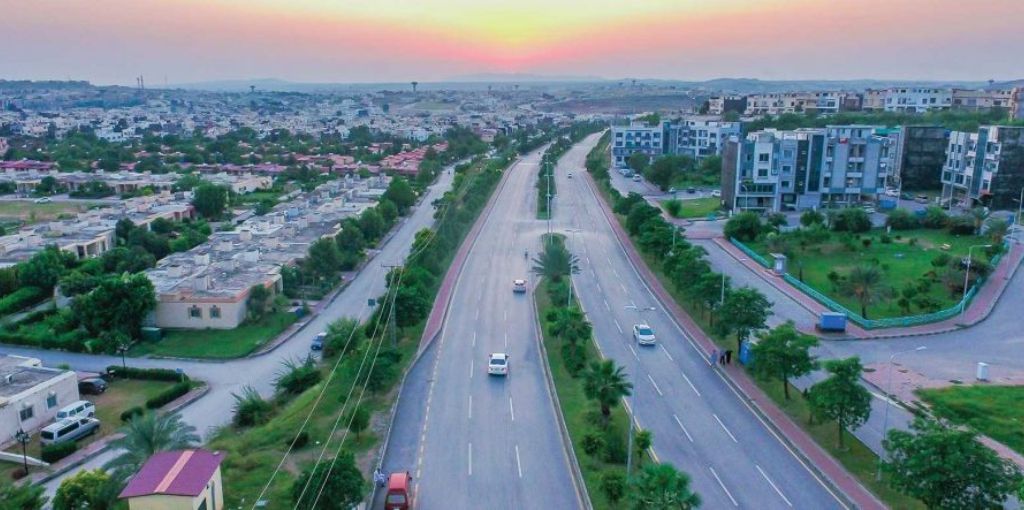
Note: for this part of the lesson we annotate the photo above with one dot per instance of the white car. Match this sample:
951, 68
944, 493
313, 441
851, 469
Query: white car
892, 193
716, 193
518, 286
636, 178
43, 200
497, 364
643, 334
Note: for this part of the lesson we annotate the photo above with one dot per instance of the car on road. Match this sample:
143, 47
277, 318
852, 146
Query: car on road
399, 496
43, 200
643, 334
691, 190
318, 341
518, 286
68, 429
672, 191
92, 386
497, 364
569, 175
716, 193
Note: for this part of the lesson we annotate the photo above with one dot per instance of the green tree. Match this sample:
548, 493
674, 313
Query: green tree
388, 210
264, 207
555, 262
296, 377
639, 216
811, 217
116, 304
947, 468
358, 420
642, 441
332, 484
852, 219
87, 490
747, 310
840, 397
638, 161
782, 353
864, 283
210, 200
613, 485
146, 435
256, 305
745, 226
661, 486
343, 335
323, 259
371, 224
45, 268
401, 194
606, 383
22, 497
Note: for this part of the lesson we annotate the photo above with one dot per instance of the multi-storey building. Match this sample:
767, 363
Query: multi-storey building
700, 137
637, 137
796, 102
1017, 104
809, 168
873, 99
917, 99
920, 154
978, 100
984, 167
720, 105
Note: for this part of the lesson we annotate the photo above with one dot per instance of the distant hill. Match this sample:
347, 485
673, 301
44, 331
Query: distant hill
522, 77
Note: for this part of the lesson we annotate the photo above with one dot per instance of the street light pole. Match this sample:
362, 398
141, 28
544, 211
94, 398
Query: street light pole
632, 395
888, 402
549, 198
967, 275
23, 438
572, 249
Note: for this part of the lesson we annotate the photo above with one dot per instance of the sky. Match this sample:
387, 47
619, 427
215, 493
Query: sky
186, 41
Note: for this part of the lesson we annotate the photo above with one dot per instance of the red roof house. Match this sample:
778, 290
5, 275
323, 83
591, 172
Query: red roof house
182, 479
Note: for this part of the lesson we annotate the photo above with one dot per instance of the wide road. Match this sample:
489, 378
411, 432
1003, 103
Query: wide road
225, 378
486, 441
700, 424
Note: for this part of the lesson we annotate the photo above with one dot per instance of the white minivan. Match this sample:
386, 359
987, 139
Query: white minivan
80, 409
68, 429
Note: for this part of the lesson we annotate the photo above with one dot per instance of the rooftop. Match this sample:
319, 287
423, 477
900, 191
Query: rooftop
175, 473
18, 374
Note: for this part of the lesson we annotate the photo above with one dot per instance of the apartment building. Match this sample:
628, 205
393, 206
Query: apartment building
822, 102
1017, 104
984, 167
836, 166
920, 155
700, 137
31, 395
720, 105
981, 100
873, 99
636, 137
917, 99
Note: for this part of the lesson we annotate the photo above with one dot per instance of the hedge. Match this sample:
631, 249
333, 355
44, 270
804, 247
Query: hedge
54, 452
167, 396
130, 413
20, 299
151, 374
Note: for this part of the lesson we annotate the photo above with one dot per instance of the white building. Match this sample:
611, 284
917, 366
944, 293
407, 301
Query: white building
917, 99
637, 137
700, 137
31, 395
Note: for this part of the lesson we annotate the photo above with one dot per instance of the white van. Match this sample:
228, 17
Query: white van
68, 429
80, 409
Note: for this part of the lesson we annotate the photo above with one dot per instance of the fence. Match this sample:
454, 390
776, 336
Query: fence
892, 322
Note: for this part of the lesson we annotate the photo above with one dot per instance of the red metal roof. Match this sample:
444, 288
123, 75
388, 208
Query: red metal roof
176, 473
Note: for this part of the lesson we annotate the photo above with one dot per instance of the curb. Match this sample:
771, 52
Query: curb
582, 494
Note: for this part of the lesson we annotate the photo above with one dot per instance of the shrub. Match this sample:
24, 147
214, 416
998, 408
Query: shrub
592, 443
169, 395
934, 217
811, 217
299, 441
745, 226
886, 239
613, 485
853, 219
53, 452
901, 219
866, 242
912, 241
130, 413
151, 374
297, 377
614, 446
673, 207
20, 299
961, 226
250, 408
941, 260
574, 356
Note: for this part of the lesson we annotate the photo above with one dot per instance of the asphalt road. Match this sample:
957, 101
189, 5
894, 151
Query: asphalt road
700, 424
225, 378
486, 441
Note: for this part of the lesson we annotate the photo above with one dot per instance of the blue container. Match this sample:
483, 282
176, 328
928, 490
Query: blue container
887, 203
832, 321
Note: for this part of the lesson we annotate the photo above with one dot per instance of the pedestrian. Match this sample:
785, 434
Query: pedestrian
714, 356
728, 357
378, 477
721, 358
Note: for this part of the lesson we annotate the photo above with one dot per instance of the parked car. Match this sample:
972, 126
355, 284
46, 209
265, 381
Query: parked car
80, 409
921, 199
68, 429
892, 193
92, 386
643, 334
636, 178
907, 196
716, 193
518, 286
318, 341
870, 209
497, 364
672, 191
43, 200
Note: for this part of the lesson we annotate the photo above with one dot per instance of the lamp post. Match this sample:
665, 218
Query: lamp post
1019, 219
122, 348
888, 401
549, 198
23, 439
632, 396
967, 275
572, 249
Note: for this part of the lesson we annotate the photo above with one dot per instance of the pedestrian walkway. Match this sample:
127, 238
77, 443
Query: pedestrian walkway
978, 309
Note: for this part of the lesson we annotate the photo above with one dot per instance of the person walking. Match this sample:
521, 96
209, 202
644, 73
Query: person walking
728, 357
714, 356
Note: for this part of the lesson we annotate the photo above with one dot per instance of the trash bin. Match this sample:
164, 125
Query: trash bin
982, 374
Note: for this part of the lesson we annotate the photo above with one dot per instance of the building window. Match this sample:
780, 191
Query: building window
51, 401
214, 312
195, 312
763, 157
26, 413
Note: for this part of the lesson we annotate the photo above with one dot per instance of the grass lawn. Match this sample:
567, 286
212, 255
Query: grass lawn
695, 208
995, 411
217, 343
29, 212
901, 263
257, 196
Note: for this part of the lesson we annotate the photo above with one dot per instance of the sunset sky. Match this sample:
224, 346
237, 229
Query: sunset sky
112, 41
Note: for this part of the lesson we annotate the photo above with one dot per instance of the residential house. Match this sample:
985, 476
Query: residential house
177, 480
31, 395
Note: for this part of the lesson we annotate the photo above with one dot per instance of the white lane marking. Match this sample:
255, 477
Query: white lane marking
631, 349
588, 260
687, 379
726, 429
592, 272
471, 407
664, 350
477, 314
722, 485
506, 315
471, 460
506, 339
623, 288
511, 410
519, 465
616, 273
656, 388
617, 325
471, 363
474, 339
687, 432
770, 482
606, 305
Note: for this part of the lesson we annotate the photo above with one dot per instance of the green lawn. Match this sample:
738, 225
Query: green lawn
29, 212
580, 413
995, 411
901, 263
217, 343
694, 208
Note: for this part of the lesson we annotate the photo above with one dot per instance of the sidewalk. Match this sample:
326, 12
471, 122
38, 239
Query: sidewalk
977, 311
791, 433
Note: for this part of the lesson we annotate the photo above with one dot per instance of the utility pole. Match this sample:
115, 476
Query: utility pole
391, 313
549, 200
632, 396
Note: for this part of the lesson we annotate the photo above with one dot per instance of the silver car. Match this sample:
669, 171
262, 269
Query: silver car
643, 334
68, 429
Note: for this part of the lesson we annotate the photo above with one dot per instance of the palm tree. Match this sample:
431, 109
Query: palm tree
607, 384
996, 229
662, 486
865, 284
978, 215
555, 261
146, 435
